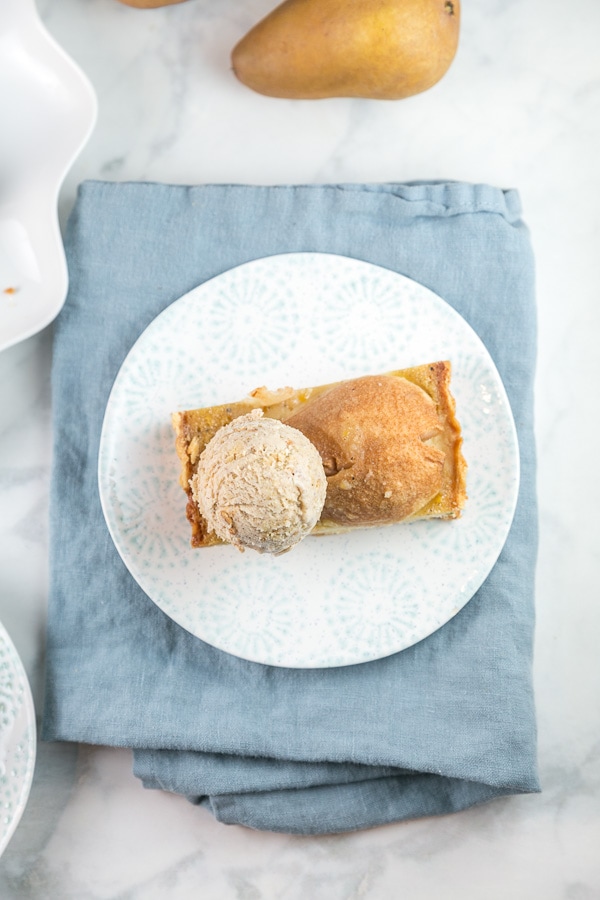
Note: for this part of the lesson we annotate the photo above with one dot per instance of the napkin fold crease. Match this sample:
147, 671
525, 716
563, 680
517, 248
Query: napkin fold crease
442, 726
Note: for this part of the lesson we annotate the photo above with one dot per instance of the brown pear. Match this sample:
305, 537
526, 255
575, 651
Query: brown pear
150, 4
381, 49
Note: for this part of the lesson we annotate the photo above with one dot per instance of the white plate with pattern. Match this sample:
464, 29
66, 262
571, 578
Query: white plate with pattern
300, 319
17, 739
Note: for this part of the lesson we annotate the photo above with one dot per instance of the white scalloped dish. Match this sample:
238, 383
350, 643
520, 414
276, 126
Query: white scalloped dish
47, 113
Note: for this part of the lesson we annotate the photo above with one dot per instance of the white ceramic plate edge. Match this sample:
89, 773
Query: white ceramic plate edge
26, 722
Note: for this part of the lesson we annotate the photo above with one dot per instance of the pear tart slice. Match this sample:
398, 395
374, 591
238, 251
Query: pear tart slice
391, 446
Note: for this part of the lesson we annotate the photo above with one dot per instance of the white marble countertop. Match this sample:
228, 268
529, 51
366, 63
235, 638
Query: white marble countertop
520, 108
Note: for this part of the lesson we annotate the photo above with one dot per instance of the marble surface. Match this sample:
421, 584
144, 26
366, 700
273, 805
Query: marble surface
520, 107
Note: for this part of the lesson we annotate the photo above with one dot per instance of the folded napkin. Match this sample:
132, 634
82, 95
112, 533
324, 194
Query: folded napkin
441, 726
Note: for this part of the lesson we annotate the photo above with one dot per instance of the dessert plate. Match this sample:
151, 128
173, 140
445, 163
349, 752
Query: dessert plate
17, 738
47, 110
301, 319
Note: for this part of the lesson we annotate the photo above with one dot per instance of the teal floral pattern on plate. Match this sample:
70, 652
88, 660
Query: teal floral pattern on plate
17, 739
301, 319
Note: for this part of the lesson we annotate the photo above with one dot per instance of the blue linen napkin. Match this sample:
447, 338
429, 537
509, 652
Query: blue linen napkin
444, 725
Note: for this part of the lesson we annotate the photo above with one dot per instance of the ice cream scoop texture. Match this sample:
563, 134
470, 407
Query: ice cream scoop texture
260, 484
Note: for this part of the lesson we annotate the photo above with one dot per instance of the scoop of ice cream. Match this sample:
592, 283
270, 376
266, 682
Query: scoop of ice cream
260, 484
